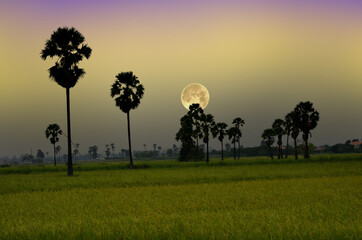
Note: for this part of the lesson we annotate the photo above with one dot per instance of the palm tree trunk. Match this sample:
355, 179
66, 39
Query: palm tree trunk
239, 149
70, 162
286, 151
306, 151
234, 149
129, 142
295, 149
270, 152
55, 160
207, 151
222, 150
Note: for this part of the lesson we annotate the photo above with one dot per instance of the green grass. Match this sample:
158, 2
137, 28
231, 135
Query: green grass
253, 198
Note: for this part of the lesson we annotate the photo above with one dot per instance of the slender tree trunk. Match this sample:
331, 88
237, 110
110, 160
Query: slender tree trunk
286, 151
295, 148
207, 151
222, 150
234, 149
129, 142
55, 160
270, 152
197, 144
239, 149
306, 151
70, 162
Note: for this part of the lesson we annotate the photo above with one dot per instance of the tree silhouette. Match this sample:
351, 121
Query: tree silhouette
195, 112
292, 126
40, 155
154, 149
288, 128
76, 150
279, 132
268, 136
238, 122
113, 147
52, 132
128, 92
159, 150
234, 134
207, 123
67, 44
185, 135
220, 129
108, 152
308, 118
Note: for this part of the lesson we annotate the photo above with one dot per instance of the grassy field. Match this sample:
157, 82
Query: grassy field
254, 198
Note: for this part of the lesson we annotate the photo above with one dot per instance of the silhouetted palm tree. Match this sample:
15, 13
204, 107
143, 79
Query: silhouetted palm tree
207, 123
113, 147
288, 127
234, 134
308, 119
67, 44
129, 92
195, 113
239, 123
292, 125
220, 129
52, 131
279, 132
268, 136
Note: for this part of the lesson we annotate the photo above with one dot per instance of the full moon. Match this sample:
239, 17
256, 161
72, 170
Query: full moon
195, 93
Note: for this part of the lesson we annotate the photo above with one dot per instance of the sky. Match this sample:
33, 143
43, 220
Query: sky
258, 59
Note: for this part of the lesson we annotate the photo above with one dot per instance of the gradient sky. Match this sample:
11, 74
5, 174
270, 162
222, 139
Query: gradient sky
258, 59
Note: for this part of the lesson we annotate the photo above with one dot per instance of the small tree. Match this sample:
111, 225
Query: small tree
268, 137
40, 155
207, 123
234, 134
292, 126
219, 130
52, 132
308, 119
279, 132
238, 122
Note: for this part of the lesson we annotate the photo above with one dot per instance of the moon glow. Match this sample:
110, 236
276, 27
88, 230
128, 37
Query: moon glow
195, 93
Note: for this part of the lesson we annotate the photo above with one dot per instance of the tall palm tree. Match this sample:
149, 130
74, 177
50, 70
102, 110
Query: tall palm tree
67, 45
195, 112
52, 131
207, 123
279, 132
238, 122
292, 126
288, 127
234, 134
268, 137
128, 92
220, 129
308, 119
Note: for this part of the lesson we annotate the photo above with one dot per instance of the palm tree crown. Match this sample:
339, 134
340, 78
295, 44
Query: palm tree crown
67, 45
52, 131
129, 91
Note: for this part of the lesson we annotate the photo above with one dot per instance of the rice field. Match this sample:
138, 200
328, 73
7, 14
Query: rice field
253, 198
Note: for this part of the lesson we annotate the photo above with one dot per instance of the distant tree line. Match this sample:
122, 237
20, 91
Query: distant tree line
302, 119
196, 125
